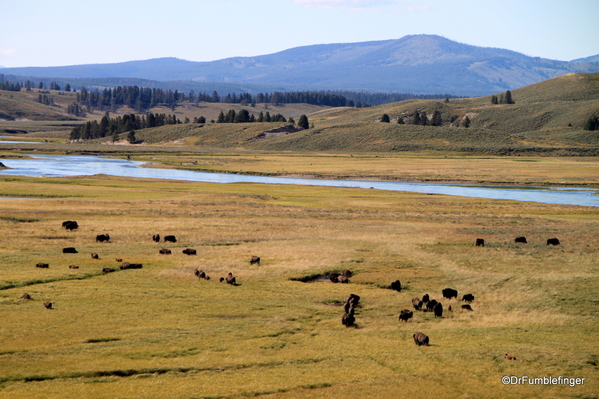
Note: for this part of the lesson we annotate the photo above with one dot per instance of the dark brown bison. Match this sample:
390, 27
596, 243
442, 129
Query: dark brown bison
42, 265
449, 293
127, 265
69, 250
552, 241
25, 296
521, 240
48, 305
108, 270
467, 307
468, 298
420, 339
438, 310
156, 237
417, 303
334, 277
431, 304
480, 242
255, 260
119, 260
396, 286
199, 273
353, 298
170, 239
231, 279
73, 267
190, 251
165, 251
510, 357
346, 273
102, 238
348, 320
405, 315
342, 280
95, 255
70, 225
425, 298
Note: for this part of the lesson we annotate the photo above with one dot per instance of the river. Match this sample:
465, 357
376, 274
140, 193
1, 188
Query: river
72, 165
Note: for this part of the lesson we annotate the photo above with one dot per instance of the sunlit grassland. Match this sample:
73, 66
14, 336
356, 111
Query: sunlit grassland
159, 332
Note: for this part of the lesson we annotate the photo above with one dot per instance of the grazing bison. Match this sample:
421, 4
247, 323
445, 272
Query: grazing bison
102, 238
42, 265
108, 270
430, 305
450, 293
231, 279
420, 339
467, 307
119, 260
334, 277
510, 357
69, 250
417, 303
73, 267
170, 239
468, 298
95, 255
48, 305
25, 296
552, 241
255, 260
480, 242
190, 251
70, 225
396, 286
348, 320
165, 251
127, 265
199, 273
156, 237
405, 315
438, 310
521, 240
425, 298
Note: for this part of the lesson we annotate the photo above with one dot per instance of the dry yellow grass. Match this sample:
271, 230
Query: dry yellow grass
159, 332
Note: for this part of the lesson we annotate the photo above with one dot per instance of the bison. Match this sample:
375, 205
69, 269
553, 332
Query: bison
425, 298
417, 303
199, 273
156, 237
552, 241
25, 296
231, 279
396, 286
334, 277
438, 310
480, 242
165, 251
108, 270
42, 265
95, 255
73, 267
255, 260
342, 280
69, 250
70, 225
430, 305
467, 307
190, 251
420, 339
170, 239
405, 315
346, 273
521, 240
449, 293
348, 320
102, 238
468, 298
510, 357
48, 305
127, 265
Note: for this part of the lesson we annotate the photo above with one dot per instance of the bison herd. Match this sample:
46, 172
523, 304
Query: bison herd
480, 242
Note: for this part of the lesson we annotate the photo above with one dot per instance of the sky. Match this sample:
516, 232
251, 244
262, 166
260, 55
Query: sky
74, 32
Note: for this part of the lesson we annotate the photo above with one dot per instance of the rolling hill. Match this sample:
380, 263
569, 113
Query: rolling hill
419, 64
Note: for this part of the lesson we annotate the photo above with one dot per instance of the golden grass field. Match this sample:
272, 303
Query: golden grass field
159, 332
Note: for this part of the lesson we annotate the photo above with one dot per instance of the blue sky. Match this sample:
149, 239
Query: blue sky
70, 32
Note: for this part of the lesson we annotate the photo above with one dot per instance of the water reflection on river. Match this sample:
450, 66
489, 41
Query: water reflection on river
69, 165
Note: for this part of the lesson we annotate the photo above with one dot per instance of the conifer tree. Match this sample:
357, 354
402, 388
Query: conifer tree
385, 118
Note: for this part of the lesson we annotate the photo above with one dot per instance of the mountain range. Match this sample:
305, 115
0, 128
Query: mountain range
418, 64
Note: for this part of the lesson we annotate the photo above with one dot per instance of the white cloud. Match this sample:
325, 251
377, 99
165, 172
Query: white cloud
7, 52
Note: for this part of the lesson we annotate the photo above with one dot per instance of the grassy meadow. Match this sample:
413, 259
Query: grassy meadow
160, 332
